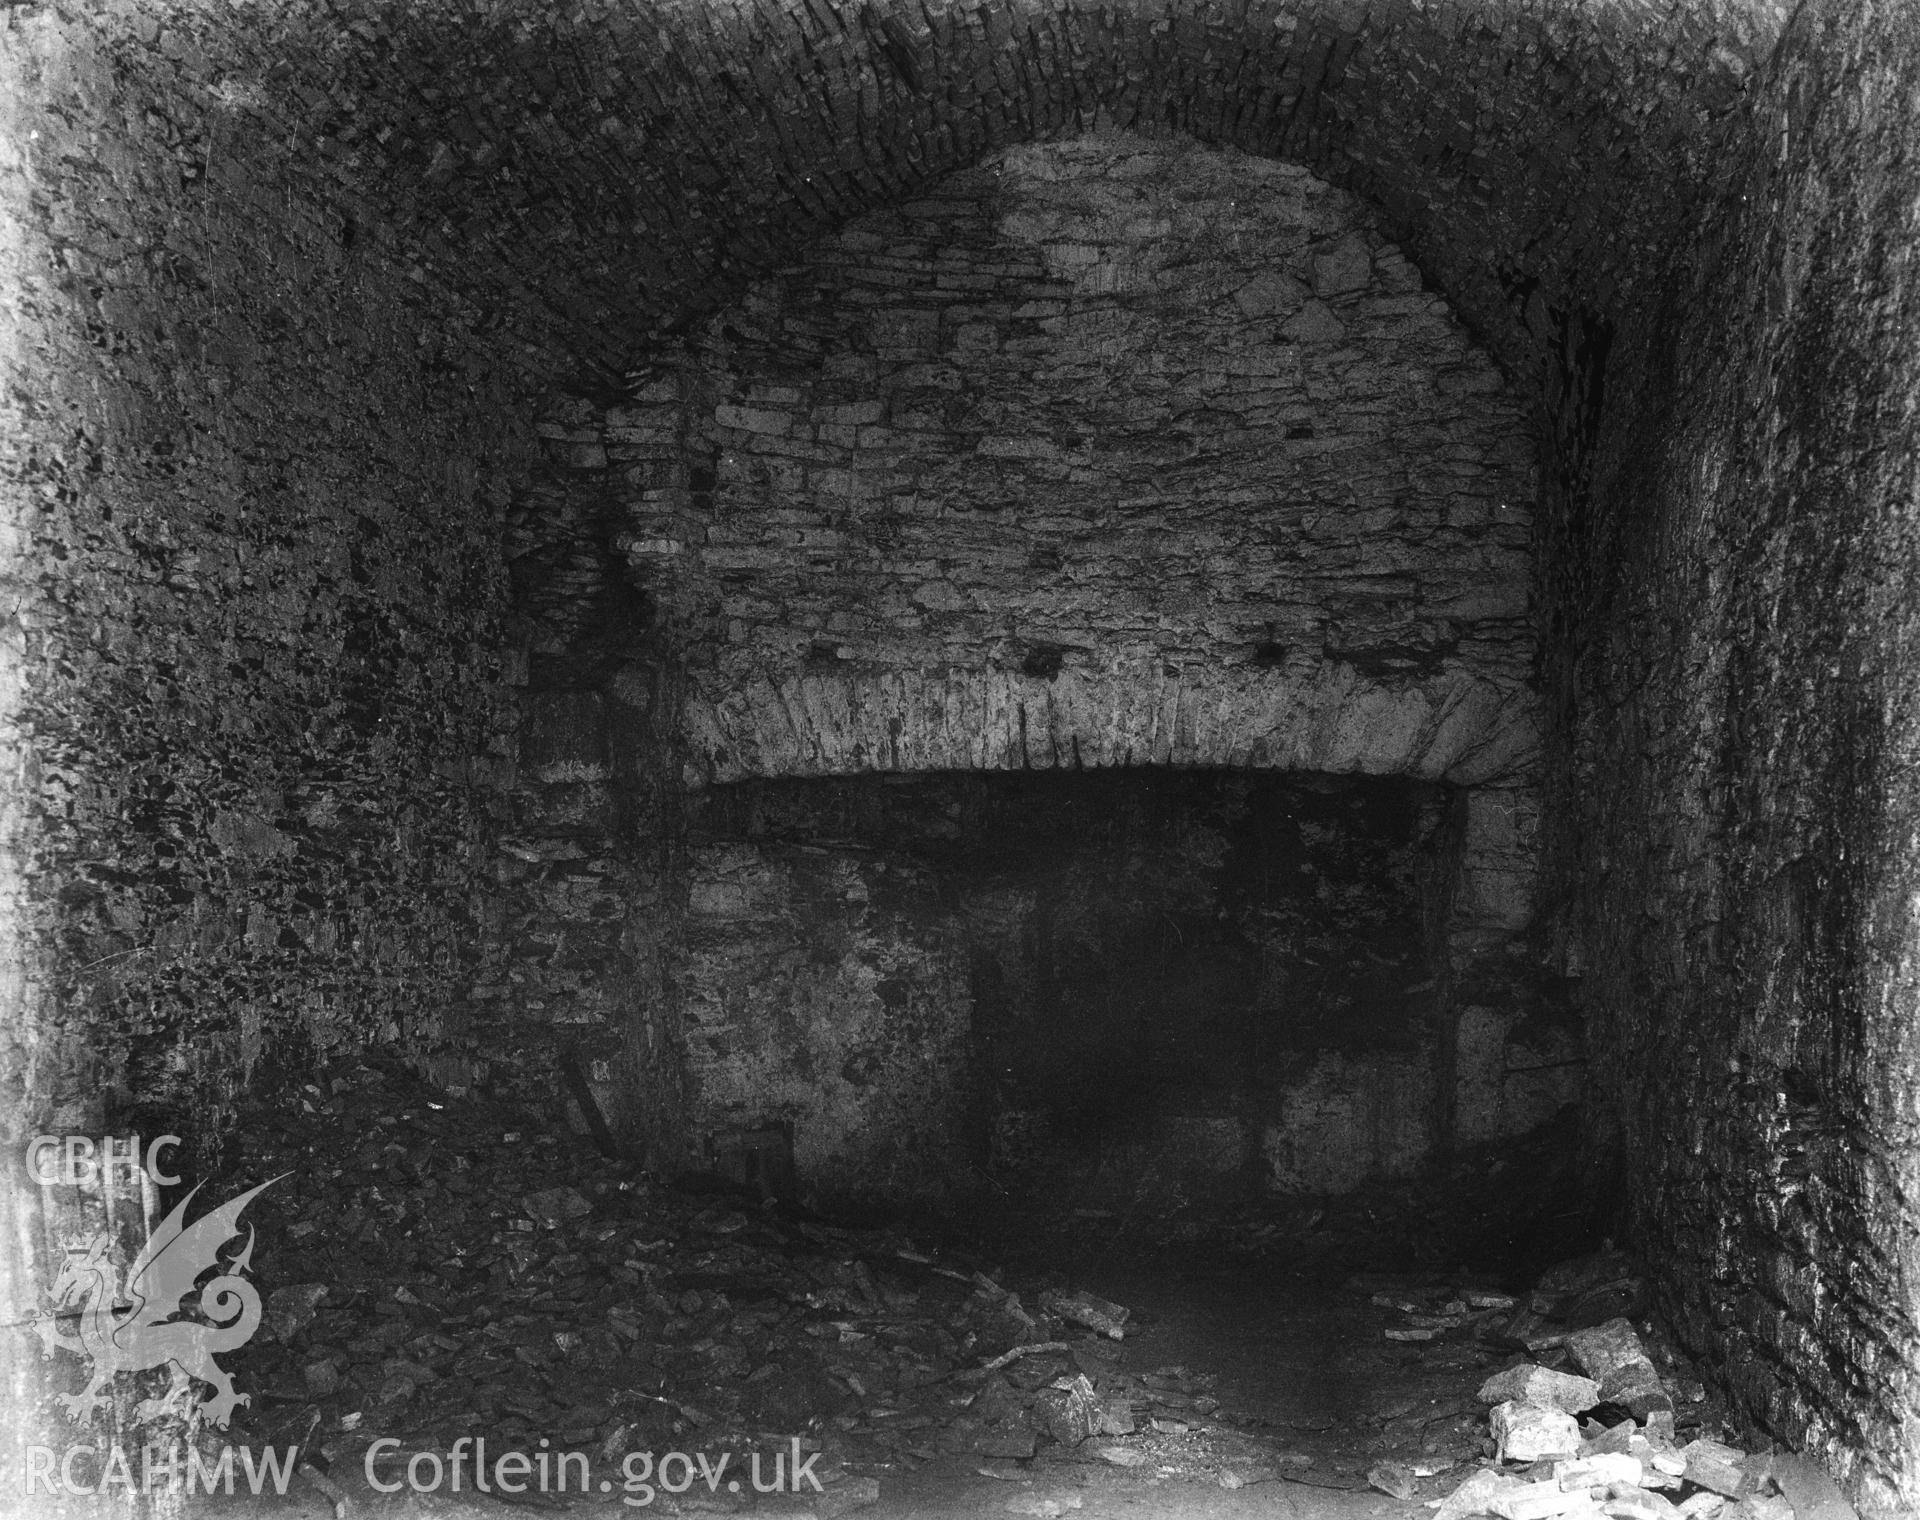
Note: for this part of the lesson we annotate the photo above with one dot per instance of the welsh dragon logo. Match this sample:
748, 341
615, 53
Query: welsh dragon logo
140, 1329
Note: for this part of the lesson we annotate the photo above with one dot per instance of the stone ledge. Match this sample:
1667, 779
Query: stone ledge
1455, 729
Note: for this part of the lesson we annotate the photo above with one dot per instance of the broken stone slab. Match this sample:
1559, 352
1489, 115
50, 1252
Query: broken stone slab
1095, 1313
1807, 1487
1475, 1494
1122, 1456
1528, 1433
1590, 1289
1540, 1501
1615, 1357
1660, 1458
290, 1309
1605, 1351
1067, 1410
1702, 1505
1524, 1330
1541, 1386
1599, 1470
1715, 1465
1625, 1502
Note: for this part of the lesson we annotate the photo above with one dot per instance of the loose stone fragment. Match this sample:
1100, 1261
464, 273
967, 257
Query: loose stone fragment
1538, 1501
1714, 1465
1598, 1471
1392, 1478
1527, 1433
1625, 1502
1086, 1309
1541, 1386
1068, 1410
1474, 1495
1614, 1356
1806, 1486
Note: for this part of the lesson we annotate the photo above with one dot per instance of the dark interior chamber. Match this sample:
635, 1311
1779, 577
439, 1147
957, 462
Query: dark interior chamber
1208, 651
1146, 978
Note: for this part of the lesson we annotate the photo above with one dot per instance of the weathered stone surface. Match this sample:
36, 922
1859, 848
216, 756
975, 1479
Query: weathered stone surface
1527, 1433
282, 306
821, 992
1541, 1386
1303, 553
1738, 807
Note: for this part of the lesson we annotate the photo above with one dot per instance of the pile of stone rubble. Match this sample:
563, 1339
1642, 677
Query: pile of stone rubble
437, 1268
440, 1267
1584, 1425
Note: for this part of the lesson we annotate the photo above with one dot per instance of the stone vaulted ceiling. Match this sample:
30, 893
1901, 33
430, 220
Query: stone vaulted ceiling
616, 165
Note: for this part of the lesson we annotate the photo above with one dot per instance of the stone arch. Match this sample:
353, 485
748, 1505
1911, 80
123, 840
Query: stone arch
622, 164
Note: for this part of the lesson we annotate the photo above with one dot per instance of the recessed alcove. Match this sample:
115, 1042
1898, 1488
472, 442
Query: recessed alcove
1114, 981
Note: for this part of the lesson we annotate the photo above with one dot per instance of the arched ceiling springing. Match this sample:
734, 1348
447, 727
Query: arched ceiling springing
624, 162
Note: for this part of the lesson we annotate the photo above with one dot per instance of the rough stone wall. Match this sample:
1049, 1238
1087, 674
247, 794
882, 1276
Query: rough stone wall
256, 474
823, 990
1735, 598
1110, 452
589, 857
631, 161
1136, 981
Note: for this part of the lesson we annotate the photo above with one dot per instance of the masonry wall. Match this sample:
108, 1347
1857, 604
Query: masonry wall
260, 464
1095, 986
1105, 452
1743, 643
1117, 451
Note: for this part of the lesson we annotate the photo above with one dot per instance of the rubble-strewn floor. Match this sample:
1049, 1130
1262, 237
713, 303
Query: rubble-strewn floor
441, 1270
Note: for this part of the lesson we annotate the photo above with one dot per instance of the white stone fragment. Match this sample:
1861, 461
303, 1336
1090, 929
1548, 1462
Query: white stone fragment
1541, 1386
1598, 1471
1528, 1433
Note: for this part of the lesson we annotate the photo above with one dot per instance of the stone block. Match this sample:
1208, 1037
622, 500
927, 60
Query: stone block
1806, 1486
754, 419
1715, 1465
1539, 1501
1606, 1350
1527, 1433
1598, 1470
1541, 1387
1475, 1494
1625, 1502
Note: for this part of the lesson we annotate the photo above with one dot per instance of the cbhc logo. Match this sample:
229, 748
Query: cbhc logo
76, 1160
